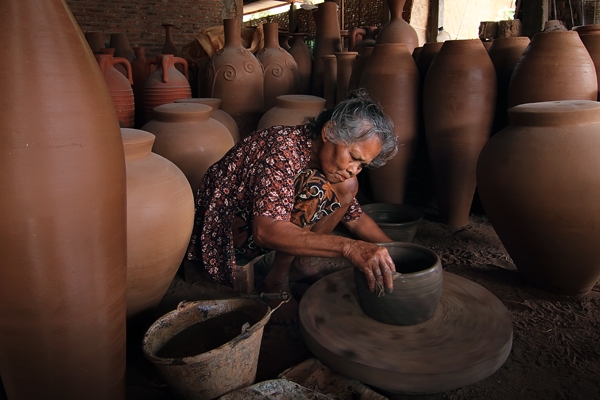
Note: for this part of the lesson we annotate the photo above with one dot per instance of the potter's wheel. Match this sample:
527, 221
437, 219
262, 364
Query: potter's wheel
468, 338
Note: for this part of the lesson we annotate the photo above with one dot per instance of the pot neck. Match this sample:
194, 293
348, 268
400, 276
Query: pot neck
136, 143
233, 32
271, 31
182, 112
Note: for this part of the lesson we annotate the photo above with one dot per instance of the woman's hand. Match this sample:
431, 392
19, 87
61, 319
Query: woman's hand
374, 261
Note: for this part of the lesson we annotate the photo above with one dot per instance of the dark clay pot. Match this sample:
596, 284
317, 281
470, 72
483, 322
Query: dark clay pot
417, 290
399, 221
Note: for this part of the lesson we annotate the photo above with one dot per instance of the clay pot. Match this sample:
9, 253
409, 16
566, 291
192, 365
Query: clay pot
539, 184
416, 52
555, 66
417, 291
487, 44
165, 84
329, 80
505, 53
362, 37
217, 114
587, 29
64, 261
301, 53
291, 110
96, 41
358, 67
237, 79
399, 221
345, 61
120, 43
169, 46
280, 68
187, 136
397, 30
459, 99
592, 44
160, 217
284, 38
327, 42
392, 78
139, 74
119, 87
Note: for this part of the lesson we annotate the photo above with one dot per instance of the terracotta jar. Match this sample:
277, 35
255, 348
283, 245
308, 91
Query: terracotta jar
358, 67
345, 60
291, 110
119, 87
160, 217
120, 43
284, 39
96, 41
237, 79
165, 84
397, 30
539, 184
327, 42
416, 52
505, 53
360, 38
329, 79
64, 253
555, 66
459, 99
217, 114
392, 78
139, 74
280, 68
169, 46
301, 53
592, 44
587, 29
187, 136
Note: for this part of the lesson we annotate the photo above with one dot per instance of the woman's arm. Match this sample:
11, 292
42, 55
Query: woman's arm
366, 229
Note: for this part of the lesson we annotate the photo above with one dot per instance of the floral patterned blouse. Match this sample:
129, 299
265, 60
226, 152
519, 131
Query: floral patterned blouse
256, 177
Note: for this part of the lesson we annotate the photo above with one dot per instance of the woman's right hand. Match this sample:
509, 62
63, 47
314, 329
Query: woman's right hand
374, 261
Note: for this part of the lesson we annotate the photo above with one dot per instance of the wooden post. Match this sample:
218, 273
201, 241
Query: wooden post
535, 15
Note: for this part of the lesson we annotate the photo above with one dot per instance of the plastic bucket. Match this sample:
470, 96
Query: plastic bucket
205, 349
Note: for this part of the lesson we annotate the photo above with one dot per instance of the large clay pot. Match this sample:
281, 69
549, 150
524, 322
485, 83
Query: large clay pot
217, 114
397, 30
362, 37
291, 110
95, 40
592, 44
187, 136
392, 78
237, 79
160, 217
165, 84
345, 61
358, 67
119, 87
139, 74
327, 42
280, 68
64, 261
539, 182
329, 80
301, 53
120, 43
459, 97
555, 66
505, 53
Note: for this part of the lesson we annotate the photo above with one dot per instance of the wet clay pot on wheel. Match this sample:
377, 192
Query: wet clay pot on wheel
217, 114
397, 30
539, 182
291, 110
399, 221
417, 290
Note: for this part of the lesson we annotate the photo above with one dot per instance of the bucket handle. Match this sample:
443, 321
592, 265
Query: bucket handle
247, 331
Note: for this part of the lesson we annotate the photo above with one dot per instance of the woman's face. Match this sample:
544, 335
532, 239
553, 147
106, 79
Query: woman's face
340, 162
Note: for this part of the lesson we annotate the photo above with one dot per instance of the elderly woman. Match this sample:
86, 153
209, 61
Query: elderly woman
285, 189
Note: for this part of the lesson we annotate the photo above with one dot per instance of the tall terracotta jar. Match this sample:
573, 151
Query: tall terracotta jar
237, 79
284, 40
459, 97
139, 75
280, 68
120, 43
329, 79
358, 67
160, 217
165, 84
505, 53
301, 53
591, 42
64, 262
392, 78
169, 45
539, 181
291, 110
555, 66
345, 60
119, 87
327, 42
187, 136
95, 40
397, 30
217, 114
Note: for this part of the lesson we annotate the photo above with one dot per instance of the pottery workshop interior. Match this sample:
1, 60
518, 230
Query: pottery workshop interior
300, 199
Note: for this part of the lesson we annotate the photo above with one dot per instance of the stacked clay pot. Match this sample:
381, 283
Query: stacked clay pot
291, 110
217, 114
344, 60
459, 99
555, 66
539, 182
165, 84
64, 253
160, 217
397, 30
327, 42
592, 44
301, 53
280, 68
187, 136
119, 87
236, 77
392, 79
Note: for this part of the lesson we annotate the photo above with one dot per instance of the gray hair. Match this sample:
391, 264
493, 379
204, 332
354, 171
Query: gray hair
356, 119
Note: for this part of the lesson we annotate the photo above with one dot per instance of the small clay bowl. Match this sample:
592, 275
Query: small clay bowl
398, 221
417, 290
